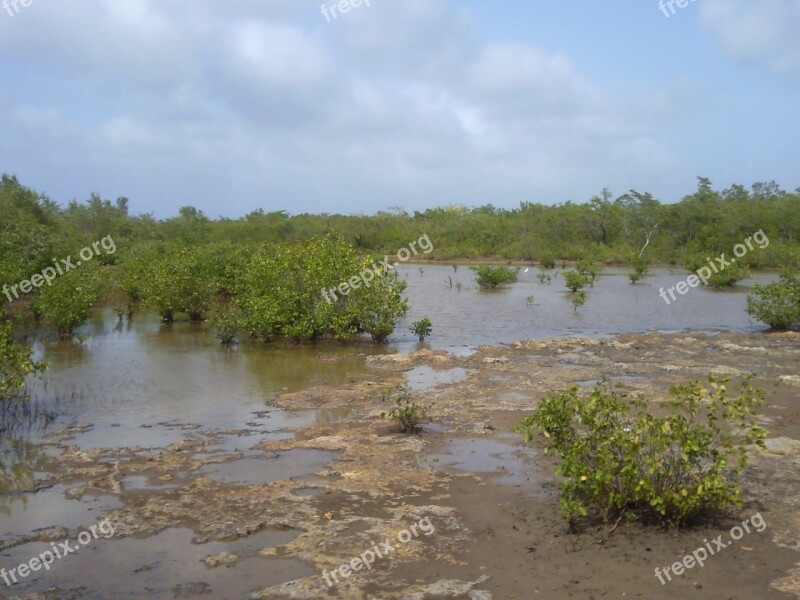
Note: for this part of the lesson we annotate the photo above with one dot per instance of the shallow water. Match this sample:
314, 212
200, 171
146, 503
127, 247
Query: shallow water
168, 565
423, 378
149, 384
293, 464
145, 384
471, 317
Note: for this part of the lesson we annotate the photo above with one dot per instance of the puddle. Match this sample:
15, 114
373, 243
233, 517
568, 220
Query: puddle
125, 436
24, 513
144, 482
309, 492
566, 365
509, 463
611, 380
166, 566
334, 415
511, 396
461, 351
628, 378
423, 378
280, 423
258, 471
434, 428
587, 382
273, 424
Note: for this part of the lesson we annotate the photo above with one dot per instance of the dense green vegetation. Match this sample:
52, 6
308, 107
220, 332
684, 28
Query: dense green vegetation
15, 364
620, 455
262, 275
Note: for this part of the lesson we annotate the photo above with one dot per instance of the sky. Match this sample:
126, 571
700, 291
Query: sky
237, 105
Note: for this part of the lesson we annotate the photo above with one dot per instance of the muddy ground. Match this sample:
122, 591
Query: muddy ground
492, 503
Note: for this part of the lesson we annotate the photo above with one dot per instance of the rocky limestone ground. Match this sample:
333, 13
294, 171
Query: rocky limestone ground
492, 503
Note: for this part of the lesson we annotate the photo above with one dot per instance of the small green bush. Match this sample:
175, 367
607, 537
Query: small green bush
729, 276
578, 300
422, 328
640, 268
724, 277
777, 304
490, 276
588, 268
621, 455
407, 413
575, 281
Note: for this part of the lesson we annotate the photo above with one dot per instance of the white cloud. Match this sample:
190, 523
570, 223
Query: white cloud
760, 32
398, 103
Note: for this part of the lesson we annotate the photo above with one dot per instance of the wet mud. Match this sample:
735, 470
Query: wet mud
311, 483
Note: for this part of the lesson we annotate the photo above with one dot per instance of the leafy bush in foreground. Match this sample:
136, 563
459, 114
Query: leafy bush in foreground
777, 304
618, 456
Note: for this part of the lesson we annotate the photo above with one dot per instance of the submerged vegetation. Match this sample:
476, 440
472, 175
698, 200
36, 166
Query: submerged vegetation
272, 275
490, 277
422, 328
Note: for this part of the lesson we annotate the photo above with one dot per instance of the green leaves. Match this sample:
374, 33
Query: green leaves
617, 455
294, 291
422, 328
406, 412
15, 363
65, 304
575, 281
491, 276
777, 304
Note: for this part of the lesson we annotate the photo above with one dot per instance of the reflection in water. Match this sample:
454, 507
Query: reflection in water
18, 460
132, 383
